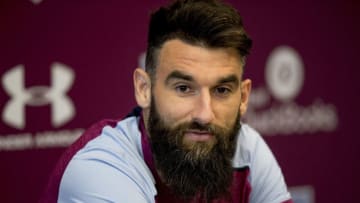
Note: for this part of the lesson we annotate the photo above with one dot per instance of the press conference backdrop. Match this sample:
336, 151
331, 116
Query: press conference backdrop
67, 64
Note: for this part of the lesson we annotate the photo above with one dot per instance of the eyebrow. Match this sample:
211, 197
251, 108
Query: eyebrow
229, 79
178, 75
182, 76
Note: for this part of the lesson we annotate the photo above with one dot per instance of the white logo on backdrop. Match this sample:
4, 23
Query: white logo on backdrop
284, 75
62, 108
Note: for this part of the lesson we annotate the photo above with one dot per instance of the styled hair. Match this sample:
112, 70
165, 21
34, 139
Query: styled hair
208, 23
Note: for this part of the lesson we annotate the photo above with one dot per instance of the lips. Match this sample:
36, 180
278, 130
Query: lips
198, 136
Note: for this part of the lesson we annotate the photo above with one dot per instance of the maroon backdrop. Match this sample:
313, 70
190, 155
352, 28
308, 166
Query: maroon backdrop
65, 65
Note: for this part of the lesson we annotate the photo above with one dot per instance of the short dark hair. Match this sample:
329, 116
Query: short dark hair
209, 23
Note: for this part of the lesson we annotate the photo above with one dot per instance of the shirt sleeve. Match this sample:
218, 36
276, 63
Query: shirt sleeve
266, 179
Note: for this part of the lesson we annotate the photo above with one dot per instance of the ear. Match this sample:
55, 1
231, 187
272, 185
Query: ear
245, 94
142, 87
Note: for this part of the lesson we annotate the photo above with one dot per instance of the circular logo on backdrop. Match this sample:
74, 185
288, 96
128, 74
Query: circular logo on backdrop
284, 73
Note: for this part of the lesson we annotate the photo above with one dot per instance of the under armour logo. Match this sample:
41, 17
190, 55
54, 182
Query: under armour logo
62, 108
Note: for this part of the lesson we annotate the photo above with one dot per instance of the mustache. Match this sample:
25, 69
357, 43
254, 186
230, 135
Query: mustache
200, 127
196, 126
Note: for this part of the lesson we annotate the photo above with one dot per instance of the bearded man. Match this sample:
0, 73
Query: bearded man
186, 142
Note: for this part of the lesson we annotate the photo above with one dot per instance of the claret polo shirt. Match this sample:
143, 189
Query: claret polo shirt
117, 166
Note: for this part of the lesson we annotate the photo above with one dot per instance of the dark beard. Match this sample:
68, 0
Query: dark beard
202, 169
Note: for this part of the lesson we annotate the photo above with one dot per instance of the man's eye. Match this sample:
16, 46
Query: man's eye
183, 88
222, 91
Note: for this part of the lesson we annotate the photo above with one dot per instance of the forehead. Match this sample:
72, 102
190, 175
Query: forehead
198, 60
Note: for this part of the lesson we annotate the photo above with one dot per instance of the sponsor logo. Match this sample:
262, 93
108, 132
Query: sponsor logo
62, 107
284, 73
39, 140
284, 76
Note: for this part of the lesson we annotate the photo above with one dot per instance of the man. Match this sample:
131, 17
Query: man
186, 144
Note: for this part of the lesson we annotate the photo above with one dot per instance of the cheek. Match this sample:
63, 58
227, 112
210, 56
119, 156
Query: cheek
227, 113
172, 109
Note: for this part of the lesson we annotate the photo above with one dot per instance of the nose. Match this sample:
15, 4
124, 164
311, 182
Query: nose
203, 109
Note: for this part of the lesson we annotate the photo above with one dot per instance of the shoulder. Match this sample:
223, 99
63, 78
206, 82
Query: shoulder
120, 140
248, 144
266, 178
114, 158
